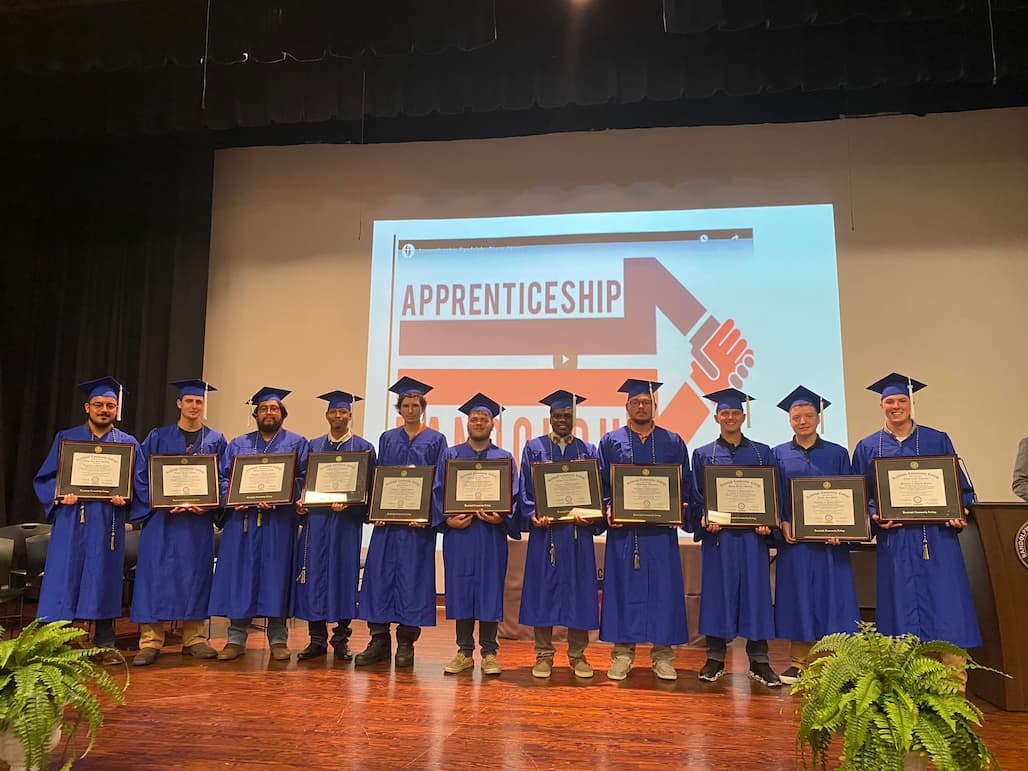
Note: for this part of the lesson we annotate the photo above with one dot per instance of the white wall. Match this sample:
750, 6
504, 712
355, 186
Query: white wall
931, 222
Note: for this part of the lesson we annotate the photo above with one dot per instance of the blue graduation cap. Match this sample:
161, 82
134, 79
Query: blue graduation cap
408, 385
803, 395
634, 387
340, 400
104, 386
895, 384
192, 387
481, 403
267, 394
731, 399
562, 400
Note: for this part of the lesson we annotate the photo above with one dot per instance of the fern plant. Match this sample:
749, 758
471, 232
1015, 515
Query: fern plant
888, 696
41, 676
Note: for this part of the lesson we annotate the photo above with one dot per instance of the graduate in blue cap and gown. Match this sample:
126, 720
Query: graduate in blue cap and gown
559, 587
255, 558
176, 548
85, 561
814, 590
327, 560
643, 592
475, 546
399, 568
922, 582
736, 598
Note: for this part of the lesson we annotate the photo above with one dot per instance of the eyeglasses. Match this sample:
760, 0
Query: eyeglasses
640, 403
268, 408
104, 405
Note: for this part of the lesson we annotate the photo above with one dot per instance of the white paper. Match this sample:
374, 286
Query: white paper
828, 507
261, 477
338, 477
401, 493
89, 469
477, 485
740, 495
184, 480
916, 487
567, 488
646, 493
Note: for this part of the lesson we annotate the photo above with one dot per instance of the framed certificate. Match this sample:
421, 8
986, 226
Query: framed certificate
336, 477
568, 490
741, 496
648, 495
918, 488
95, 471
184, 480
262, 479
473, 485
402, 494
830, 507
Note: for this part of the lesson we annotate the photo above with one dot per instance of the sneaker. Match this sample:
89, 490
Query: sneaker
543, 667
620, 668
490, 666
712, 671
458, 663
665, 669
791, 675
581, 667
762, 673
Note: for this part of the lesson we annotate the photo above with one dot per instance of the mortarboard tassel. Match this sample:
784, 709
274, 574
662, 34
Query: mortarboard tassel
120, 394
747, 410
910, 395
574, 416
821, 412
205, 401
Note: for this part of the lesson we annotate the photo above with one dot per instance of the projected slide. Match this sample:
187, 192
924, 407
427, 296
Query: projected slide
517, 307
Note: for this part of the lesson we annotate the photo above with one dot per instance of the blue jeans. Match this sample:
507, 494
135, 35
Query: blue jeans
238, 629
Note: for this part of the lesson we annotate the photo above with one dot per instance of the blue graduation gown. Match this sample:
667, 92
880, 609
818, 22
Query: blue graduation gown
928, 598
475, 558
644, 604
736, 598
399, 569
254, 571
329, 546
176, 551
814, 593
562, 592
84, 575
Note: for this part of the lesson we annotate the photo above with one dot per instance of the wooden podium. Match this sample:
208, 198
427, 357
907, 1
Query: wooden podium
999, 585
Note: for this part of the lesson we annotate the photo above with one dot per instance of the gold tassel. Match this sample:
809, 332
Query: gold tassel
82, 513
303, 575
924, 544
553, 554
246, 522
637, 560
112, 541
258, 517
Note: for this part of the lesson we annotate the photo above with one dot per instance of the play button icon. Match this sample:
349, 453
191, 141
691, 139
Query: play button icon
565, 360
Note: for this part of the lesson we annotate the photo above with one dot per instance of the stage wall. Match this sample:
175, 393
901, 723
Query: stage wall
931, 229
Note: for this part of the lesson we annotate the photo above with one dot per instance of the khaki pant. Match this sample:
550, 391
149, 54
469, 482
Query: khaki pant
798, 653
578, 639
657, 652
152, 635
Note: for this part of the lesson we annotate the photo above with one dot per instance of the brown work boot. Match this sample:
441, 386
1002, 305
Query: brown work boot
231, 652
200, 650
280, 652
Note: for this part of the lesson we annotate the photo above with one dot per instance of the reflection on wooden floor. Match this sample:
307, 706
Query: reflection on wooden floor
183, 713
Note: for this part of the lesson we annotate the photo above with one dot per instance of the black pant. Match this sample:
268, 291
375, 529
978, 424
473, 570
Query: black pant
318, 631
717, 647
486, 636
404, 634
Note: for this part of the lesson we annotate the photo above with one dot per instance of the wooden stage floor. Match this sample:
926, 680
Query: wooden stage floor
183, 713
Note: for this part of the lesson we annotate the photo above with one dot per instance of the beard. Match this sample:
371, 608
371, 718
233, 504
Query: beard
269, 424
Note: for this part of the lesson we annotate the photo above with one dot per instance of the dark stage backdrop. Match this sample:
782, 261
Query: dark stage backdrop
104, 254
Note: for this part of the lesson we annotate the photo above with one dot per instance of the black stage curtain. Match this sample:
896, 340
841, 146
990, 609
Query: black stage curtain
105, 258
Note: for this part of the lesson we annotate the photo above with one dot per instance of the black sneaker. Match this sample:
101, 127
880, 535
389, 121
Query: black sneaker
791, 675
762, 673
712, 671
